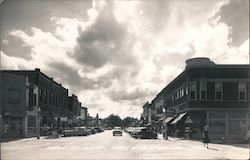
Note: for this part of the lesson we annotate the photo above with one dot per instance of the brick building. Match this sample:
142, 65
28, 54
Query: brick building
206, 93
30, 99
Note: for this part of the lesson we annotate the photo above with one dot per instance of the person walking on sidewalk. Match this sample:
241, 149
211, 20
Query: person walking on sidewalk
205, 136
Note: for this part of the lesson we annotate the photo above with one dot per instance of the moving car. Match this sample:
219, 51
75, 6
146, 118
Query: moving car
117, 131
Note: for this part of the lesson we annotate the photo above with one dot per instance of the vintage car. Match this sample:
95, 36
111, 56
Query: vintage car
117, 131
143, 133
76, 131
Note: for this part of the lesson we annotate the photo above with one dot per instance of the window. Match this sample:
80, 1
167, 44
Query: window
181, 93
51, 98
14, 96
242, 91
31, 99
237, 127
34, 100
46, 96
192, 90
203, 90
40, 95
186, 90
218, 91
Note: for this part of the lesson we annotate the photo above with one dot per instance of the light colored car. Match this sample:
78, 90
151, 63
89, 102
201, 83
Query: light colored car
117, 131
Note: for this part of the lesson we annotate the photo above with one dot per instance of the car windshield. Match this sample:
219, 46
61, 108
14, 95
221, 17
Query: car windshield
117, 128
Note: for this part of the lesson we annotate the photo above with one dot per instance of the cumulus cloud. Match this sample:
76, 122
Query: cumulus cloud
105, 41
239, 25
125, 52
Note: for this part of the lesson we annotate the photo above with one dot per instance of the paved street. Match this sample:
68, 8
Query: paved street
105, 146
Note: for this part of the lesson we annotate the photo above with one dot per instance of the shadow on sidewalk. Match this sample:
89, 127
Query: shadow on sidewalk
212, 149
11, 139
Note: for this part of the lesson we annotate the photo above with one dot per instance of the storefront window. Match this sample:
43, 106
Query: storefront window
217, 127
237, 115
236, 127
31, 124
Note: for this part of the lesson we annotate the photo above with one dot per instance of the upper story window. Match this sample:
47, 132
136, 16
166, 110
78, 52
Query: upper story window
203, 90
40, 95
177, 95
242, 91
186, 90
218, 91
192, 90
182, 92
45, 96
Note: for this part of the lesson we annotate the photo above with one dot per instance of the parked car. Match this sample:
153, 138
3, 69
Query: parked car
83, 130
93, 130
143, 133
76, 131
117, 131
99, 129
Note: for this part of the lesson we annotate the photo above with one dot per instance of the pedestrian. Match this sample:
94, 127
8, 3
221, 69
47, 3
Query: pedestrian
205, 136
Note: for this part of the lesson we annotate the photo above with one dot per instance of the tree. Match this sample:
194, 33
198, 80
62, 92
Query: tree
129, 122
113, 120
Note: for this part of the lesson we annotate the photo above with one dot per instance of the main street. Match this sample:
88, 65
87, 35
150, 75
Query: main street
105, 146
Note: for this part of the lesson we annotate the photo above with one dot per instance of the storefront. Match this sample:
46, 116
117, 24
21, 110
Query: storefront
228, 125
13, 126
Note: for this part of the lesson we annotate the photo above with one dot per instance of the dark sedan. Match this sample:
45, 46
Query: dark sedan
143, 133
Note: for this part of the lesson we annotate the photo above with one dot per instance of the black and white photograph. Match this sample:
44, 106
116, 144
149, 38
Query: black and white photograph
124, 79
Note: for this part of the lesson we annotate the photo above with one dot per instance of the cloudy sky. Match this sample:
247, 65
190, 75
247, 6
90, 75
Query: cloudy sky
117, 55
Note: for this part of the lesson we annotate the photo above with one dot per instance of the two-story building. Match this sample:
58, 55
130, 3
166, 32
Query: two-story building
206, 93
29, 99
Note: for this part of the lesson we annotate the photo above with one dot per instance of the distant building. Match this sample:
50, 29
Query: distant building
84, 113
75, 108
146, 114
206, 94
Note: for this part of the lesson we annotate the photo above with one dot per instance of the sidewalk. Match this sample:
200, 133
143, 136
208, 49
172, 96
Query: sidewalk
170, 138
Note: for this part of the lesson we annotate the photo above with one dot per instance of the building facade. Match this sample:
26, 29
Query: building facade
19, 107
33, 103
75, 109
207, 94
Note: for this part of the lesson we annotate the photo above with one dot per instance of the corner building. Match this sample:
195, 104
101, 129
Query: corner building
32, 103
208, 94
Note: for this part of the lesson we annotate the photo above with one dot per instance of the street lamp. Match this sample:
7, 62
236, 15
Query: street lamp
165, 135
38, 122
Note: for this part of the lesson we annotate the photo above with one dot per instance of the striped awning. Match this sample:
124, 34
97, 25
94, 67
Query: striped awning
179, 117
167, 120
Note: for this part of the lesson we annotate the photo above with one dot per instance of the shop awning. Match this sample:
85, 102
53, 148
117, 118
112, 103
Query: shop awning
149, 124
167, 120
161, 119
179, 117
